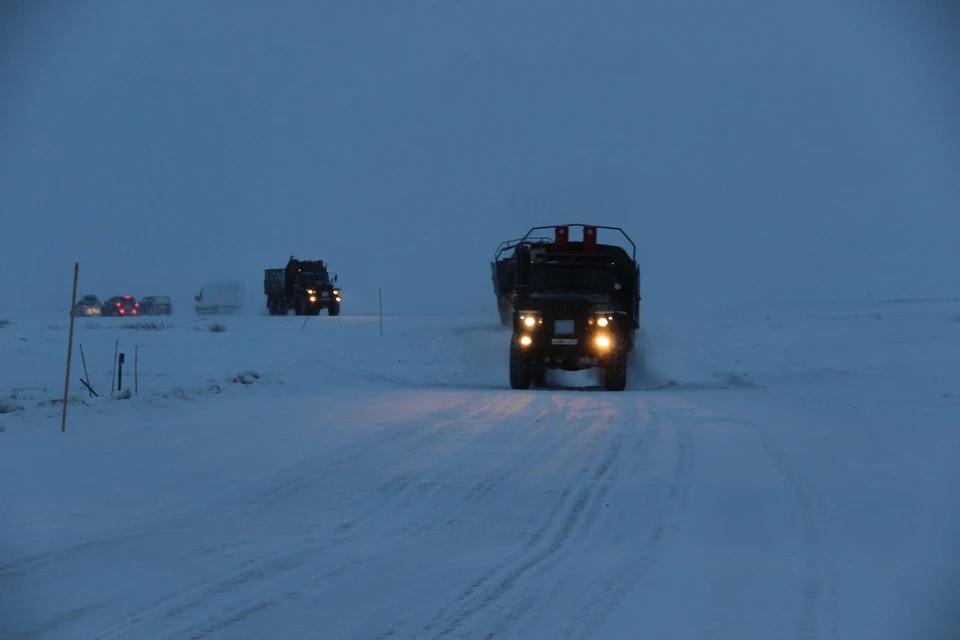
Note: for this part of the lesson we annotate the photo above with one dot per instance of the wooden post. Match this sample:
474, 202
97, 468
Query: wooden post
86, 374
66, 380
380, 296
113, 376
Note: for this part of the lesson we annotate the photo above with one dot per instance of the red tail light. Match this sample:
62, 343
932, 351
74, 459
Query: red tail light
134, 312
119, 304
123, 312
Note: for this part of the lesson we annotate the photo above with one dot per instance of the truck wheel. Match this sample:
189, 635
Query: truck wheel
615, 373
520, 369
334, 309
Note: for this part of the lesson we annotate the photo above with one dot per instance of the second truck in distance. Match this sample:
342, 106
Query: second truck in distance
304, 286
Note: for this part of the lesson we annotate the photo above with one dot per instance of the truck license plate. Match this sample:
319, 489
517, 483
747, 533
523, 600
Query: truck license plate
567, 341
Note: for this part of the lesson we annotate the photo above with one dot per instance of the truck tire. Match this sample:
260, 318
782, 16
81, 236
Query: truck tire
520, 368
615, 373
334, 309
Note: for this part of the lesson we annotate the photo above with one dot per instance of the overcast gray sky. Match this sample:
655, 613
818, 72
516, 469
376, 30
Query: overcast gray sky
765, 149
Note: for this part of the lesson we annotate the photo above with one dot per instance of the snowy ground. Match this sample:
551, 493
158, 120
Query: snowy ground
782, 471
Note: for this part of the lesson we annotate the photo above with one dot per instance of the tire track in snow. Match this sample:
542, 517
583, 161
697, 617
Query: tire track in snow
666, 524
297, 482
261, 602
565, 517
819, 597
263, 568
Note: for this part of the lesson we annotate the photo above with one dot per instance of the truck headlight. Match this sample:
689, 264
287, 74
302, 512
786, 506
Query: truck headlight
311, 291
530, 319
602, 322
526, 341
602, 341
313, 298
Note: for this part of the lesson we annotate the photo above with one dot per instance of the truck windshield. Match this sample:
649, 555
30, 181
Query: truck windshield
568, 278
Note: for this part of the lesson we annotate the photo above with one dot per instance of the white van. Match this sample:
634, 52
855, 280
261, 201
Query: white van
217, 298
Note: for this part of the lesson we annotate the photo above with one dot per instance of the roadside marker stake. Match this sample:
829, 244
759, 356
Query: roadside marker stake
66, 379
86, 375
116, 347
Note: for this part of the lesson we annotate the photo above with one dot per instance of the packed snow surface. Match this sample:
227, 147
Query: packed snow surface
777, 471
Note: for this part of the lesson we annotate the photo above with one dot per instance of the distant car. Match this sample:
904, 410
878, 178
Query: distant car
88, 305
121, 306
155, 306
217, 298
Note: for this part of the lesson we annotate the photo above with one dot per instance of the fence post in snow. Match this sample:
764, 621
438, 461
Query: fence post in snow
66, 380
113, 375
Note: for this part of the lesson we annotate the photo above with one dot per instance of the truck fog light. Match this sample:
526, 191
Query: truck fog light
526, 341
602, 341
313, 298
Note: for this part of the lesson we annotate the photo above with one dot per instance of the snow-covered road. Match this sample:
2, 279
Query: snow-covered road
787, 472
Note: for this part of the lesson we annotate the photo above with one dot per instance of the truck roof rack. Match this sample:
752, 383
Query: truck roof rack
507, 245
528, 239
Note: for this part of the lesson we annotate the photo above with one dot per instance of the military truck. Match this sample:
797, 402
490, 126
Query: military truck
575, 305
304, 286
